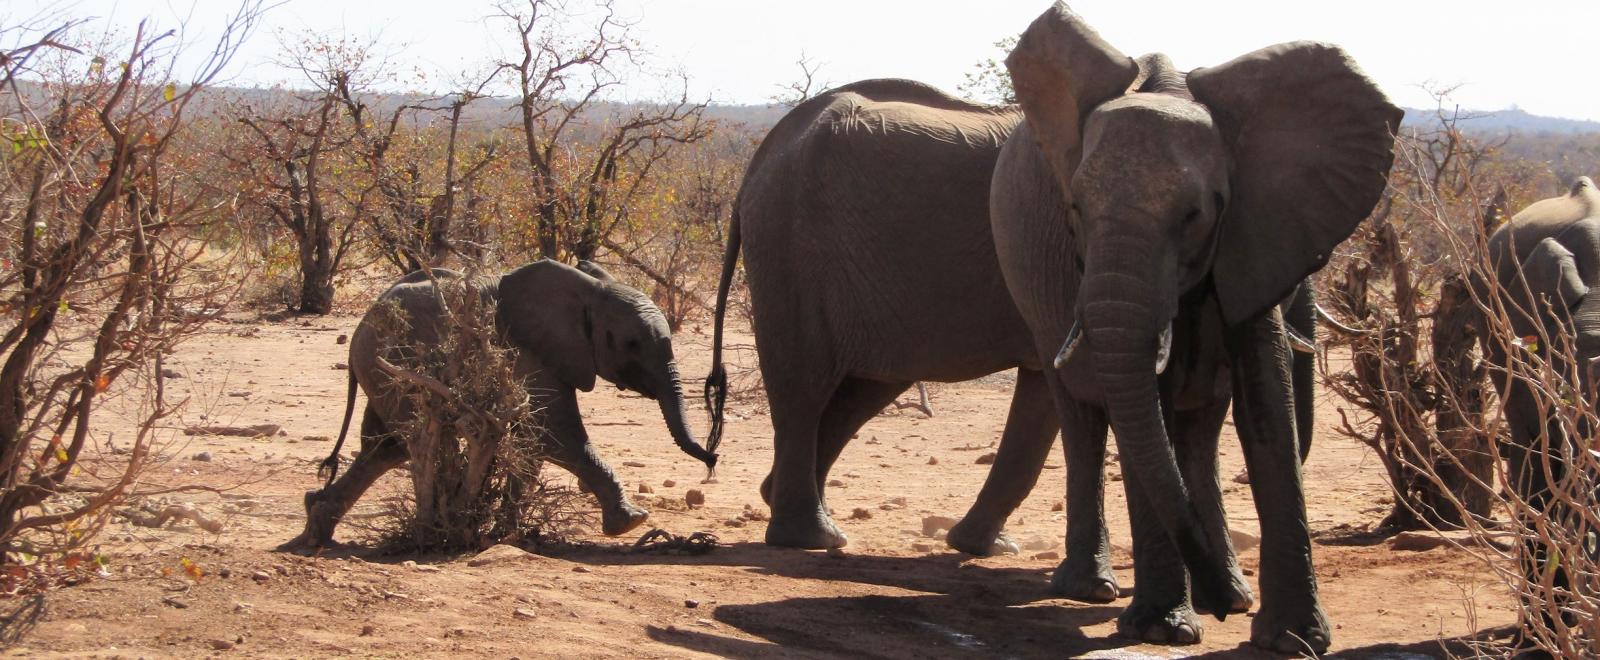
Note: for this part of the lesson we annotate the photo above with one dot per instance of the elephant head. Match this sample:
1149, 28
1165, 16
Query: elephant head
581, 323
1244, 175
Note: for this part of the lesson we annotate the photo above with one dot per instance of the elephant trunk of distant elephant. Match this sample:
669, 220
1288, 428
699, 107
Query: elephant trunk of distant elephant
1127, 316
671, 400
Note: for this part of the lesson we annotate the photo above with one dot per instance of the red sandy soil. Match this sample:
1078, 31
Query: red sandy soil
892, 593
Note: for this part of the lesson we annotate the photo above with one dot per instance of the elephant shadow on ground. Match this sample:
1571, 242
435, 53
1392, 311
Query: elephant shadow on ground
948, 573
944, 604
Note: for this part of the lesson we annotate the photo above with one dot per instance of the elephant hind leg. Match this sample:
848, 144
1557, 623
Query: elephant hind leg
1030, 431
854, 403
381, 451
798, 518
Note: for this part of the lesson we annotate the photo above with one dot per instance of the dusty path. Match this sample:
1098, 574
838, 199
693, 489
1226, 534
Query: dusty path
895, 592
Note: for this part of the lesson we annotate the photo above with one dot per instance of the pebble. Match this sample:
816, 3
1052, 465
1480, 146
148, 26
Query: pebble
524, 613
633, 463
260, 576
581, 569
341, 339
835, 483
860, 514
691, 603
203, 457
172, 601
694, 498
646, 489
668, 483
221, 644
933, 460
922, 547
986, 459
932, 524
367, 630
1058, 505
1049, 555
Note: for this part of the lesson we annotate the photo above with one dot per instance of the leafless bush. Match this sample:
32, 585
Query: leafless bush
1419, 374
106, 269
475, 459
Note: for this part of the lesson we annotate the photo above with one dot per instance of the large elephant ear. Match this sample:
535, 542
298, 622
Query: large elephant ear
1061, 70
1312, 141
544, 310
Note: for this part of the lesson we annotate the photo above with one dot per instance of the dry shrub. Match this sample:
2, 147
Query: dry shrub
107, 267
1422, 304
476, 463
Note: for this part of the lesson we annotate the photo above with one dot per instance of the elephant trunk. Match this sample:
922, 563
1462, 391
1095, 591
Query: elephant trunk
1127, 312
671, 400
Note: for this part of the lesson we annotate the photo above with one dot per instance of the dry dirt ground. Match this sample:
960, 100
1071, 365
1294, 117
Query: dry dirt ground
893, 593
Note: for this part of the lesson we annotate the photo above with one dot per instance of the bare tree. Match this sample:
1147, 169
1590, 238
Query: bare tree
104, 271
414, 221
585, 187
1410, 328
804, 87
286, 165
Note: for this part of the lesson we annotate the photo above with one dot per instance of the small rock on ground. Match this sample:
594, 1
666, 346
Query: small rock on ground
986, 459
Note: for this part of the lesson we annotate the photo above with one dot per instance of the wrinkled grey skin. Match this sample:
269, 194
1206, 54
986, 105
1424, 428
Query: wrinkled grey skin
570, 325
1546, 261
863, 221
891, 177
1135, 199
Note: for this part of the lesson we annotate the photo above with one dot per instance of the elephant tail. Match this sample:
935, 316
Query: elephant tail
330, 465
717, 382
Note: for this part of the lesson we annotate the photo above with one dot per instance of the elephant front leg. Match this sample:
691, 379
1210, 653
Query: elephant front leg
1085, 573
1291, 619
1030, 428
1161, 612
566, 443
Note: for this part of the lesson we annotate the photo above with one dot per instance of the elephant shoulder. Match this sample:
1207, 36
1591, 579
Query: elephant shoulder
1547, 217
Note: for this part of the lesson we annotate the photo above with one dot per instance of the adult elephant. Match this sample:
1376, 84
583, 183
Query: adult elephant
1546, 264
570, 326
863, 220
1148, 222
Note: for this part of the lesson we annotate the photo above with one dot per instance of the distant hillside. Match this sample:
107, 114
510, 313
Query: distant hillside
1514, 120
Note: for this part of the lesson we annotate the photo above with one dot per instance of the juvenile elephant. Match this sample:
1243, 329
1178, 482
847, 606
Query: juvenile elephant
570, 325
1148, 222
1546, 262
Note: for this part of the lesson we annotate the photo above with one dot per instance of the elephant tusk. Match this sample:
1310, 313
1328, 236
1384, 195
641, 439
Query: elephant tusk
1074, 337
1300, 343
1336, 325
1163, 348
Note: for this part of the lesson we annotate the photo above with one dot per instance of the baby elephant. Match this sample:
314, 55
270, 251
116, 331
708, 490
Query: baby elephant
570, 325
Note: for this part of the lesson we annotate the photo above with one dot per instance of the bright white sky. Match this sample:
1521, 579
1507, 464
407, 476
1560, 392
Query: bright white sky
1538, 54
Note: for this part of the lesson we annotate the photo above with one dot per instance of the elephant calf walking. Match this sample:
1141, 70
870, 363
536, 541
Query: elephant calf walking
570, 324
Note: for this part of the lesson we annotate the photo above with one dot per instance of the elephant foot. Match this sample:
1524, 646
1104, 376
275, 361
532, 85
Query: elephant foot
980, 541
1086, 583
318, 534
1291, 633
1239, 595
618, 520
810, 531
1154, 625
